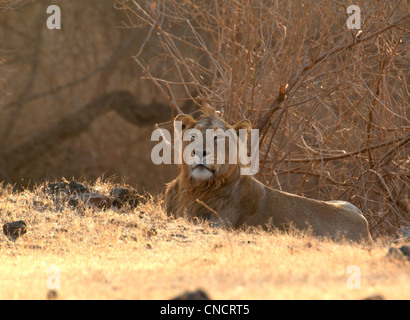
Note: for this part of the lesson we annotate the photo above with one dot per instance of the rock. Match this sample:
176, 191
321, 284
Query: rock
78, 187
395, 254
123, 196
68, 188
150, 232
76, 193
52, 295
15, 229
55, 188
374, 297
92, 200
194, 295
403, 234
405, 250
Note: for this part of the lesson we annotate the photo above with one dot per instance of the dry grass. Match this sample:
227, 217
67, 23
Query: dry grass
331, 104
141, 254
339, 130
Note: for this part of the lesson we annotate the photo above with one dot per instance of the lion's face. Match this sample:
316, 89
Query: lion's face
207, 154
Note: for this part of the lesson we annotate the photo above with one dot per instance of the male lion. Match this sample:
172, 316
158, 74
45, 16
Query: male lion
220, 193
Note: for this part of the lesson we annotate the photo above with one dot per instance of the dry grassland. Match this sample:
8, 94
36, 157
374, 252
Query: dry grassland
141, 254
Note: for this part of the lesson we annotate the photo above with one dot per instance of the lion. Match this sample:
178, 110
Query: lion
219, 193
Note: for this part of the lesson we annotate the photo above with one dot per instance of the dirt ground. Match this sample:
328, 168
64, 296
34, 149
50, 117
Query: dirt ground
88, 253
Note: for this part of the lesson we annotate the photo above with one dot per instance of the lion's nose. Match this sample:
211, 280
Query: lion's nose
201, 153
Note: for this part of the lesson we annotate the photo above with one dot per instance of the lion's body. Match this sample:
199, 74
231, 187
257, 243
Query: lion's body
239, 200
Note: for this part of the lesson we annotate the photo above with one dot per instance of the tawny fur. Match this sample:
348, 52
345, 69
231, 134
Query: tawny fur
236, 200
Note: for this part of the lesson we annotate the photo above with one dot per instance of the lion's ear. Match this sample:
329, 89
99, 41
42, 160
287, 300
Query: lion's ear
243, 124
186, 120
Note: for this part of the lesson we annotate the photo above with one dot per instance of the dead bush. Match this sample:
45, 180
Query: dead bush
331, 103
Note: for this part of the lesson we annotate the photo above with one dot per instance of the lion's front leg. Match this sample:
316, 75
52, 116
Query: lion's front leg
171, 194
217, 222
223, 220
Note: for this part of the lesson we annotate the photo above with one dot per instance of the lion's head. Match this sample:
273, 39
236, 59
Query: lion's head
210, 146
217, 190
